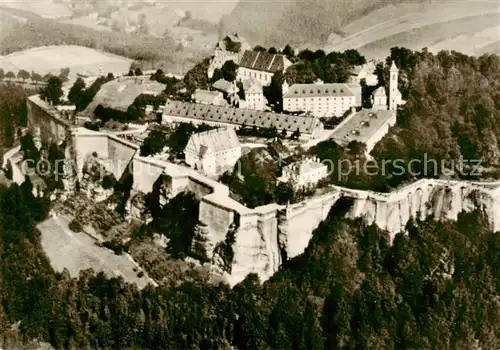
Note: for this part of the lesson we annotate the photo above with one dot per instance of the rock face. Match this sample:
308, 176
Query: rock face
267, 235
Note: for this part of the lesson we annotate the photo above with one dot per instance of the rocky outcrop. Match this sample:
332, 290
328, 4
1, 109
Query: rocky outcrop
268, 235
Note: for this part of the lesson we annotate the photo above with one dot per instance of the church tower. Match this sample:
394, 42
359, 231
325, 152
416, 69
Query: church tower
394, 94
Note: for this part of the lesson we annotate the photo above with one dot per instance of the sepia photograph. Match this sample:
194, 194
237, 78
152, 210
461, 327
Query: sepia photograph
250, 174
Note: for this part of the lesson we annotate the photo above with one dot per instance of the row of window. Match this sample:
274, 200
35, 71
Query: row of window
254, 75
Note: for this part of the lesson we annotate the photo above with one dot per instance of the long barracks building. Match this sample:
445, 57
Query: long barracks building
185, 112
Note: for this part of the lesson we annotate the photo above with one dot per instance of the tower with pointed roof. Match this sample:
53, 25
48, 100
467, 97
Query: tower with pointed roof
394, 93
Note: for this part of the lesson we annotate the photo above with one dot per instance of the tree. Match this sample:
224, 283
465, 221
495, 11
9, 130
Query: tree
229, 70
53, 91
10, 75
23, 75
110, 76
284, 193
295, 135
274, 92
47, 76
138, 71
63, 75
36, 77
130, 73
77, 90
272, 50
288, 52
259, 48
2, 74
8, 170
217, 75
153, 143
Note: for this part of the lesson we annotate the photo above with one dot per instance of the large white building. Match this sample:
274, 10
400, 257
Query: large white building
261, 66
254, 95
305, 173
231, 48
211, 152
322, 100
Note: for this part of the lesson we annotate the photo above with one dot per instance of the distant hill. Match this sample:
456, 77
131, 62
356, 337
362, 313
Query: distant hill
470, 27
355, 24
276, 22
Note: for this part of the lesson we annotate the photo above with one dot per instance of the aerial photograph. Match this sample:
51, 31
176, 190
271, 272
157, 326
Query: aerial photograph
250, 174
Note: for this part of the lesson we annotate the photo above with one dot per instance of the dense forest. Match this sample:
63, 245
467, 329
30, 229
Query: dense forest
452, 111
434, 288
42, 32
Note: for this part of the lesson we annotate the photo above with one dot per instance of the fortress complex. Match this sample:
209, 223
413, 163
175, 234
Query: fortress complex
264, 236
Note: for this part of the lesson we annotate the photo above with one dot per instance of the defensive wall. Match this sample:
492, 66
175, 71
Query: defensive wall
264, 235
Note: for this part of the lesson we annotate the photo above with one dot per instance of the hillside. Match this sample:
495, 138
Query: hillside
373, 27
50, 59
469, 27
279, 23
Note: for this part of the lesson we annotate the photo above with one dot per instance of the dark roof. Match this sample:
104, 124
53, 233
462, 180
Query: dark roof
240, 116
263, 61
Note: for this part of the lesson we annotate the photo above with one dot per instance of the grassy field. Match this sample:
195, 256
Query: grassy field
471, 27
50, 59
77, 252
121, 93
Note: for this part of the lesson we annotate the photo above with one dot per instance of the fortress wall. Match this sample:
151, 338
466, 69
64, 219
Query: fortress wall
200, 189
120, 154
217, 218
47, 120
145, 172
86, 144
298, 222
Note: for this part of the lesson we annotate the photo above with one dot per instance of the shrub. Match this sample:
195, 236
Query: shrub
75, 226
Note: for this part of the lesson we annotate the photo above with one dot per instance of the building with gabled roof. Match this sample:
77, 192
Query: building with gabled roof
185, 112
365, 72
225, 86
254, 95
322, 100
304, 173
230, 48
379, 99
261, 65
213, 151
209, 97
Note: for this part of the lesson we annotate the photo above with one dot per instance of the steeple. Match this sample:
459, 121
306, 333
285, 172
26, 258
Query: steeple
394, 94
394, 68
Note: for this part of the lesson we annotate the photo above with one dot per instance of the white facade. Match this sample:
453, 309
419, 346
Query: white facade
213, 151
306, 173
324, 100
262, 77
379, 99
254, 95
